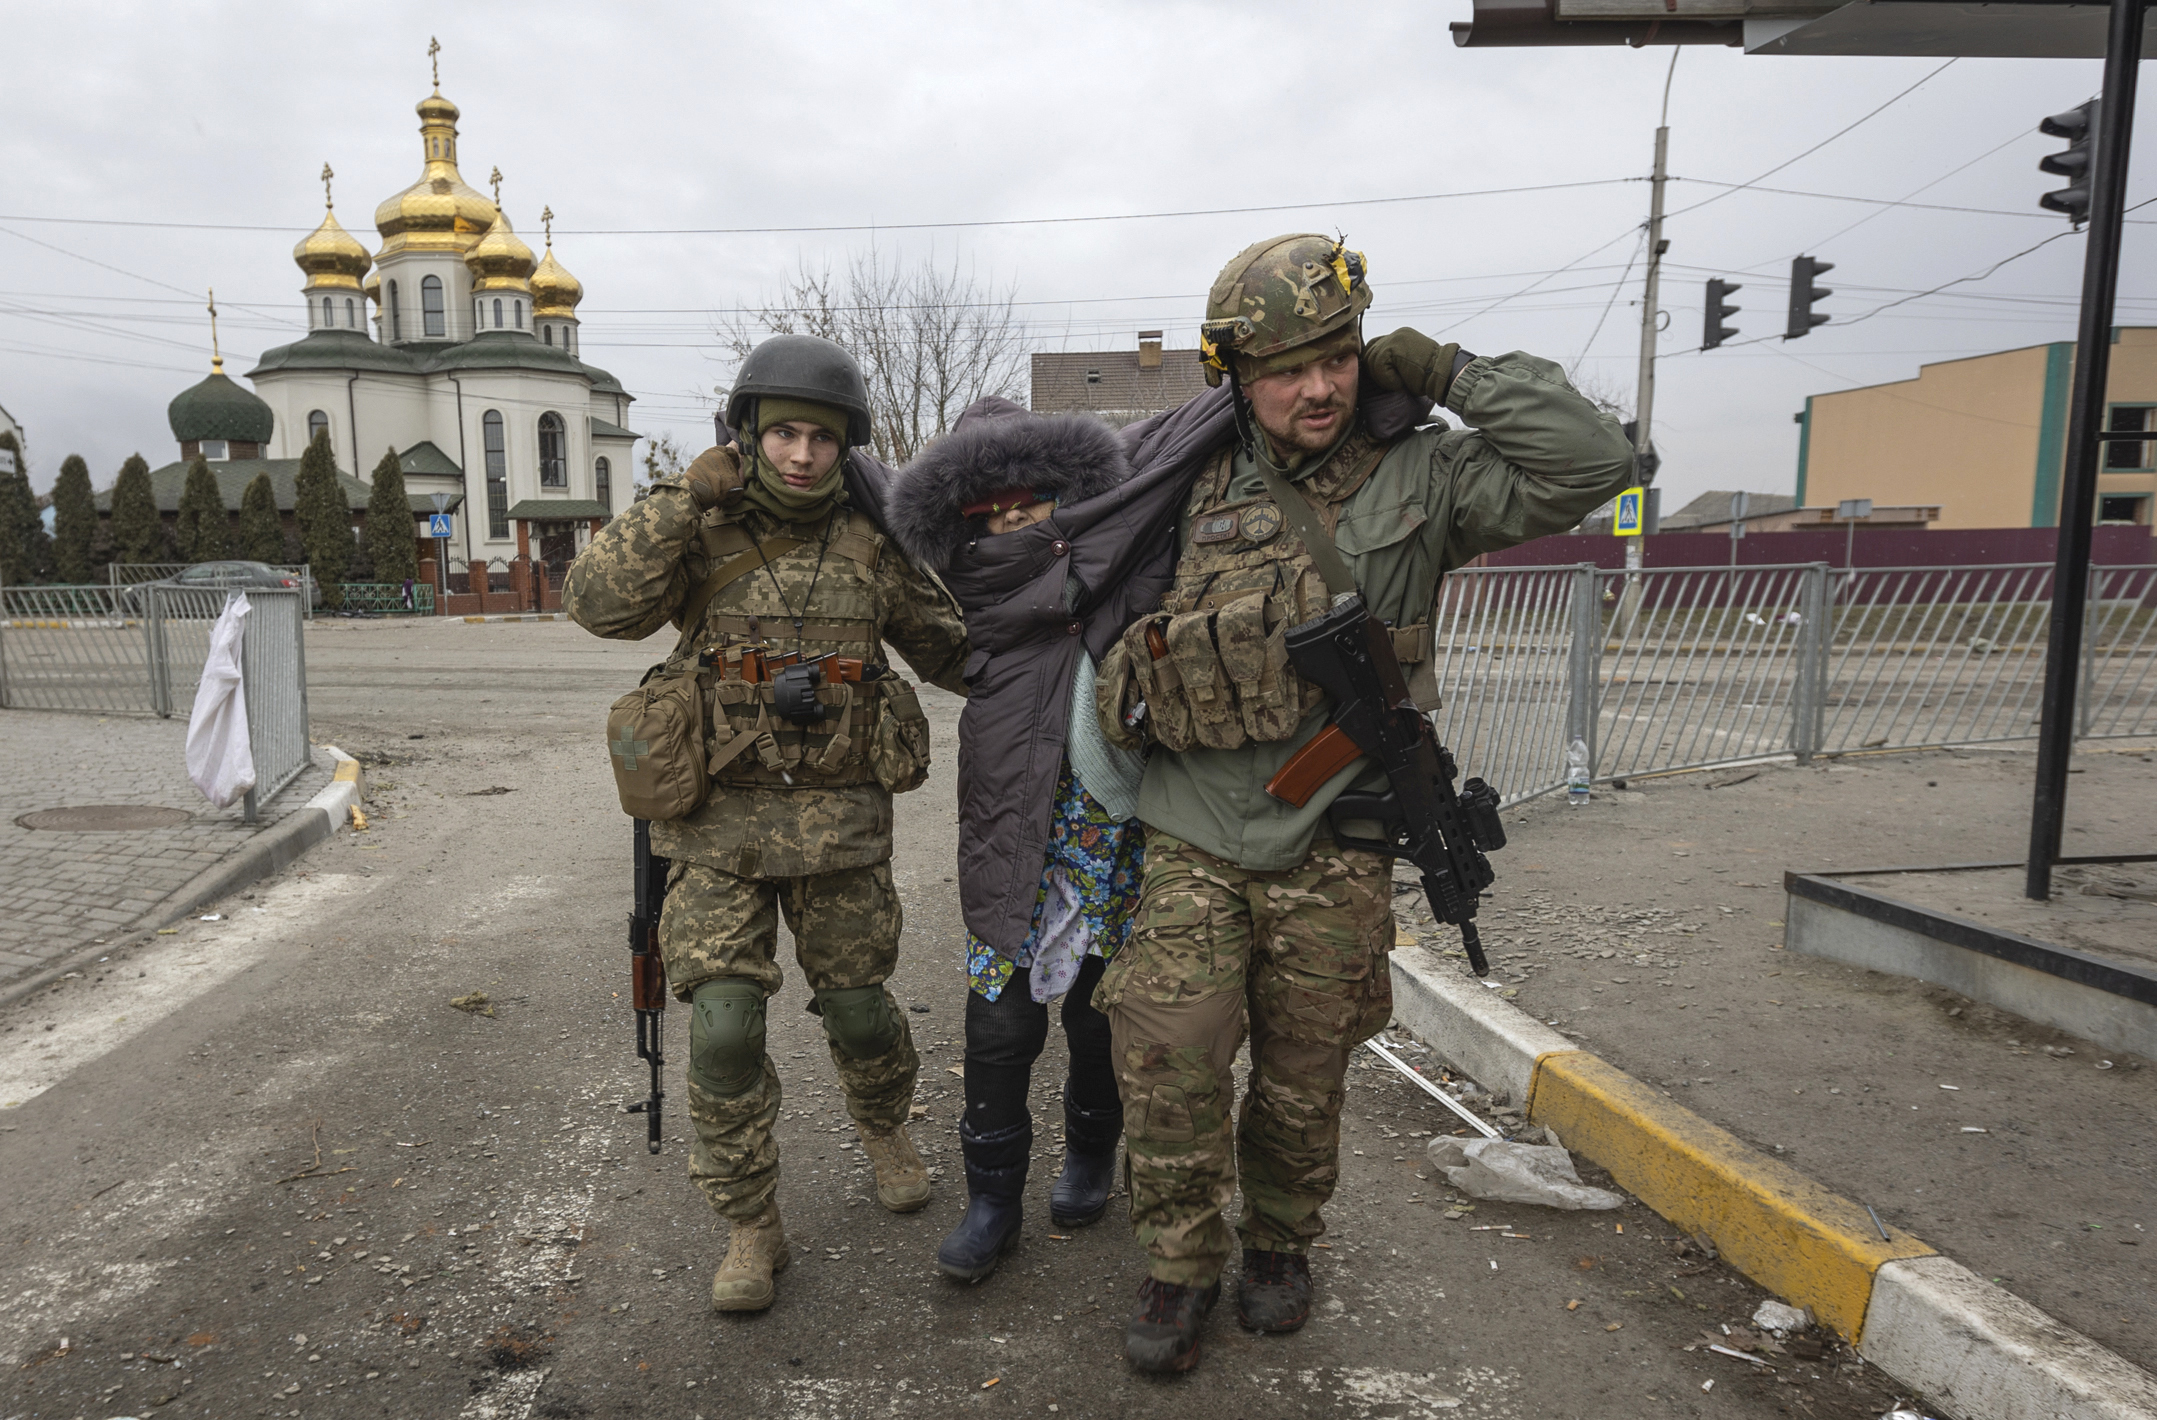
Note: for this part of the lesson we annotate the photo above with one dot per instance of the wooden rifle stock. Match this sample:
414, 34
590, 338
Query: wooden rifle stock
1323, 755
758, 665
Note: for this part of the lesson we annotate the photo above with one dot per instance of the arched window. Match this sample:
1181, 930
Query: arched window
553, 464
548, 332
497, 473
479, 314
430, 306
603, 483
396, 317
317, 421
351, 318
329, 317
497, 312
520, 314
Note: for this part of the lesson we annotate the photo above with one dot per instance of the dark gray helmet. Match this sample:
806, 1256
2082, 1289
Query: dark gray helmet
802, 367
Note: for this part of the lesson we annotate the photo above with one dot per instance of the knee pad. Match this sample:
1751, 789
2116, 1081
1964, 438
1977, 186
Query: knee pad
726, 1036
860, 1020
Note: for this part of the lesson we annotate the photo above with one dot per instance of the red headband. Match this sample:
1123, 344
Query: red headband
1003, 500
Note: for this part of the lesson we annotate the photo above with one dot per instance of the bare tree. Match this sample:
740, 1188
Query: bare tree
931, 340
664, 457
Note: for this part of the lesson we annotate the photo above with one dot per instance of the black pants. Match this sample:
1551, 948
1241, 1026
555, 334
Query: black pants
1005, 1036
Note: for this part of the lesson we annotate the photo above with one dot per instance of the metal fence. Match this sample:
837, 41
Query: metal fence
140, 650
135, 574
1676, 668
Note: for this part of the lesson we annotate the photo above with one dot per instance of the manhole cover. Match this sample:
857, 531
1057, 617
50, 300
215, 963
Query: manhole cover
105, 818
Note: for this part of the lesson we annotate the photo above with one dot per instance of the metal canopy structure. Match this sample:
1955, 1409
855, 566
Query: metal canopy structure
2030, 29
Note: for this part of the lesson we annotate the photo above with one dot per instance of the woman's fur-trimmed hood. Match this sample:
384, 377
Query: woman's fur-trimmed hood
996, 445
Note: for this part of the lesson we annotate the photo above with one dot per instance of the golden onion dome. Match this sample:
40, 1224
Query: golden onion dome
332, 256
440, 212
501, 261
373, 287
555, 292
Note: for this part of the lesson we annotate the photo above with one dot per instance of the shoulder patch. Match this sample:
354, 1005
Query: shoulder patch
1261, 522
1219, 528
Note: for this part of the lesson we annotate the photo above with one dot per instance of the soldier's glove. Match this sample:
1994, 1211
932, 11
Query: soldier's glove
1412, 361
715, 479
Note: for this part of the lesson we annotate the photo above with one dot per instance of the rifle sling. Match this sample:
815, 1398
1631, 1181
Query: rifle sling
1301, 516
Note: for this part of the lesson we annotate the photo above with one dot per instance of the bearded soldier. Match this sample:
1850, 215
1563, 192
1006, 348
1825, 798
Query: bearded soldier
785, 590
1252, 920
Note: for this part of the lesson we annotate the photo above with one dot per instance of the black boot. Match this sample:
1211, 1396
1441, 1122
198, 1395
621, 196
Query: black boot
1275, 1294
995, 1179
1163, 1332
1081, 1192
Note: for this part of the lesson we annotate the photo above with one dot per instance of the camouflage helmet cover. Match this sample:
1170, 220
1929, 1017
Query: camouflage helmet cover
1278, 295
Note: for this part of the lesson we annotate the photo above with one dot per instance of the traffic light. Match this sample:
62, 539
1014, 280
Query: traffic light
1803, 295
2079, 127
1716, 332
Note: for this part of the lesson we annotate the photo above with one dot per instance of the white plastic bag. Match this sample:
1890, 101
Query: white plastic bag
220, 760
1505, 1172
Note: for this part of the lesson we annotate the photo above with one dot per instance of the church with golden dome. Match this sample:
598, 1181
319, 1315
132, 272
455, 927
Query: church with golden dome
456, 347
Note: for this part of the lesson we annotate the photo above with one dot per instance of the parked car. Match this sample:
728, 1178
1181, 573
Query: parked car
218, 576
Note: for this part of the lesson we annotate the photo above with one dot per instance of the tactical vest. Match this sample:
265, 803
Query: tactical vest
1212, 665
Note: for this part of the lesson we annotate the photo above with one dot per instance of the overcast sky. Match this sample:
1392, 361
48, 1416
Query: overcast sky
877, 118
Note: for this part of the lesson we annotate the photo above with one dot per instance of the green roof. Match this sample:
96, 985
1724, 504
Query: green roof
339, 350
601, 380
233, 476
601, 429
547, 510
424, 458
423, 503
503, 350
219, 409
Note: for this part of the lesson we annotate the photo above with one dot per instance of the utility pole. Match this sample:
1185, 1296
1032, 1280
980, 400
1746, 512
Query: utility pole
1650, 316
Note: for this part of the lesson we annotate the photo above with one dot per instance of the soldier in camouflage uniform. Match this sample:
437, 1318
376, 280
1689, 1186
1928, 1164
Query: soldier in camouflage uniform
758, 549
1252, 922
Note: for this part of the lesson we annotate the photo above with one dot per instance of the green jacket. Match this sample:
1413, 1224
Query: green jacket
1539, 458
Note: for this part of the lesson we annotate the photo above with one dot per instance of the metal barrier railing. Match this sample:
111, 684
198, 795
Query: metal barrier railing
135, 574
389, 598
78, 648
1677, 668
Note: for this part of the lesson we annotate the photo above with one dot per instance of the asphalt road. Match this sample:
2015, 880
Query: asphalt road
265, 1168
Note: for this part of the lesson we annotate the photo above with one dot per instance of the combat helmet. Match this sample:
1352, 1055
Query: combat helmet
805, 367
1280, 294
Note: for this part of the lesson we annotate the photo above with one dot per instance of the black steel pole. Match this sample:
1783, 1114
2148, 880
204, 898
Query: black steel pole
2085, 419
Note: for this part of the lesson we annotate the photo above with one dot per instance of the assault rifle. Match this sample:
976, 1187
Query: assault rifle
1348, 653
647, 972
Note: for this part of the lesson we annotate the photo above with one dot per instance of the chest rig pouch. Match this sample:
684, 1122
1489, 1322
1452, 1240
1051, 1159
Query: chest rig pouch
1210, 669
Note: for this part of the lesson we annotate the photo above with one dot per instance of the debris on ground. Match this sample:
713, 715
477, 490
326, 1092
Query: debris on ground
475, 1004
1773, 1316
1502, 1171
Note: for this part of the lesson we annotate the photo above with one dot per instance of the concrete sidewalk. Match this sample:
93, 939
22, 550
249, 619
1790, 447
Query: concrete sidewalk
61, 891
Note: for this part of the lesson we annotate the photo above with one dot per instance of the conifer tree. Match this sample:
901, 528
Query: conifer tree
74, 521
325, 519
138, 534
18, 517
390, 541
262, 533
204, 530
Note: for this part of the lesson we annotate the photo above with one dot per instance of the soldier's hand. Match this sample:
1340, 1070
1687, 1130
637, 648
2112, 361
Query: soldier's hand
715, 479
1410, 360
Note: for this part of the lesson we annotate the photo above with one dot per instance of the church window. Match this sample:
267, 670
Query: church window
547, 331
520, 314
430, 305
497, 474
553, 466
396, 317
498, 313
317, 421
329, 317
603, 483
351, 319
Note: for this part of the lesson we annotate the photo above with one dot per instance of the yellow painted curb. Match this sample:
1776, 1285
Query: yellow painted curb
475, 620
1797, 1239
348, 772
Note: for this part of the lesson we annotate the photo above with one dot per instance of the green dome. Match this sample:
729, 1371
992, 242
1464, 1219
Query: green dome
219, 409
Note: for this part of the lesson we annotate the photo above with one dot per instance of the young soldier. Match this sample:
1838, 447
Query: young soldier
1251, 919
757, 551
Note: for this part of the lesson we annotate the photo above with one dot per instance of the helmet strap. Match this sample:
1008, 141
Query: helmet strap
1246, 429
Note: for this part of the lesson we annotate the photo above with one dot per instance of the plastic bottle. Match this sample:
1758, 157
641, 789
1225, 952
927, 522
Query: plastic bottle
1577, 772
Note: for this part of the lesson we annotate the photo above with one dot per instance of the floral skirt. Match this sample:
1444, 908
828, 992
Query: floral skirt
1097, 857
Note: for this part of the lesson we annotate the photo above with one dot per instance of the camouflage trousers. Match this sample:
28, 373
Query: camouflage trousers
1297, 960
846, 933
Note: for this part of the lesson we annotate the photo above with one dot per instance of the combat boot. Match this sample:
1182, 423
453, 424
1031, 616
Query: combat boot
1163, 1332
1275, 1293
995, 1182
1081, 1192
902, 1184
755, 1250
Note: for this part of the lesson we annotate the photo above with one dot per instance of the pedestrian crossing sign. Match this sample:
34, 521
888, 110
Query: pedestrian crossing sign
438, 525
1629, 517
